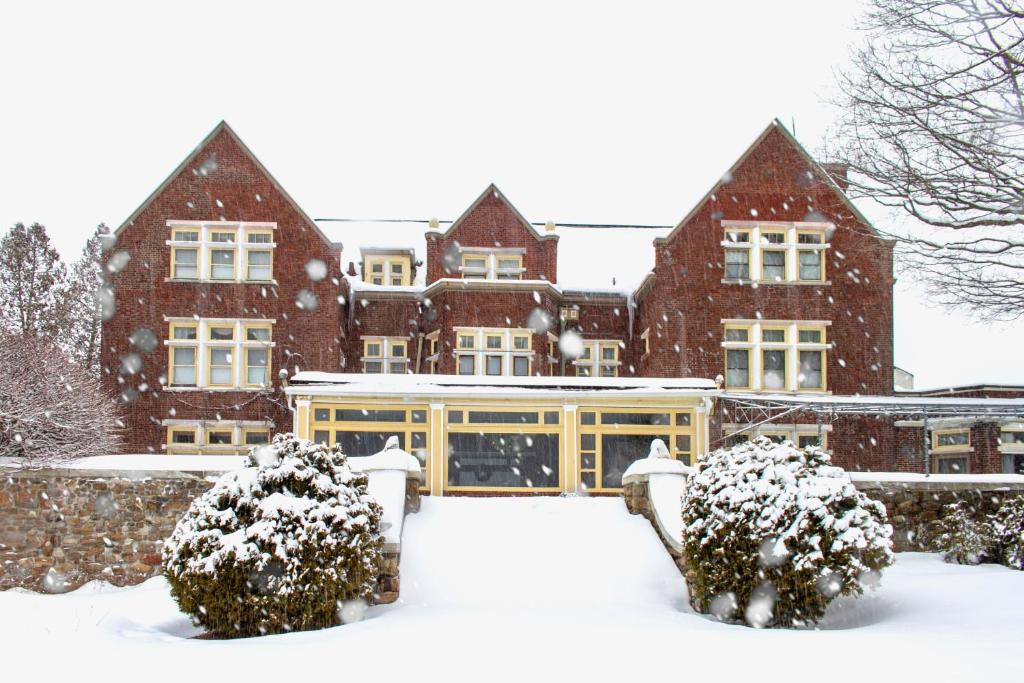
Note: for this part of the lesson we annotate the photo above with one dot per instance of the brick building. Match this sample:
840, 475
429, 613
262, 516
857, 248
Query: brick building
773, 284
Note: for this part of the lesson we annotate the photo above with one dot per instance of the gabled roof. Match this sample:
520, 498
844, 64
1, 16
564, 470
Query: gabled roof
492, 188
776, 126
200, 148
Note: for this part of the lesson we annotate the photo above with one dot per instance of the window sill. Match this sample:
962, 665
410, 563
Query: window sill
221, 282
951, 450
216, 389
763, 283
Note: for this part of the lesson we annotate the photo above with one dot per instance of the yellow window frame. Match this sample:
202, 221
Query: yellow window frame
775, 328
504, 273
406, 427
267, 367
232, 350
466, 427
824, 369
785, 263
220, 430
175, 232
233, 248
386, 273
748, 329
749, 350
488, 336
822, 329
171, 445
475, 271
525, 338
248, 277
246, 431
174, 263
378, 342
952, 447
737, 231
598, 429
258, 326
460, 334
264, 232
173, 327
210, 327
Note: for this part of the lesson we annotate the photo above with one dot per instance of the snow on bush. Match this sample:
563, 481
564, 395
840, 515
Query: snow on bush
772, 534
285, 544
960, 536
1008, 524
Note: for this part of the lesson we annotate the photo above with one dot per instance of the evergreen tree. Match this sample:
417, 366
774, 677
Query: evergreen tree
32, 282
81, 307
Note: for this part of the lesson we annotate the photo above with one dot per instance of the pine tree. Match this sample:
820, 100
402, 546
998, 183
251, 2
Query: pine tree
81, 307
32, 282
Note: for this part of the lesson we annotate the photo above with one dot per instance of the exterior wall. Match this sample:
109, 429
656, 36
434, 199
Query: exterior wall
234, 189
61, 529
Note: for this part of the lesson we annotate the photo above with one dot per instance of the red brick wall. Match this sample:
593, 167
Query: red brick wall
306, 339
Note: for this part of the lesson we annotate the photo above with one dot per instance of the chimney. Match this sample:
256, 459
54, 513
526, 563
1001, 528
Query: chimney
549, 226
836, 170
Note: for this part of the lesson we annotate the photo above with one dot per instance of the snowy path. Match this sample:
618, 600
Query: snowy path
539, 589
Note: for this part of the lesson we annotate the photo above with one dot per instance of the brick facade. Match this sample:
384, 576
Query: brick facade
681, 304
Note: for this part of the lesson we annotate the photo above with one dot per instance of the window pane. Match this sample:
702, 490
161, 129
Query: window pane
774, 264
321, 414
683, 443
520, 343
619, 451
356, 415
222, 333
259, 238
259, 265
807, 440
810, 336
478, 263
774, 369
737, 237
493, 365
551, 417
587, 442
373, 367
396, 268
218, 438
185, 263
467, 341
183, 437
321, 436
810, 265
635, 419
186, 236
737, 264
773, 335
773, 237
503, 460
257, 333
223, 261
220, 376
377, 267
737, 335
588, 418
508, 263
952, 465
737, 363
683, 419
608, 353
494, 341
396, 282
256, 438
953, 439
365, 443
398, 350
810, 370
502, 417
222, 237
184, 366
467, 365
184, 333
520, 366
373, 350
1012, 438
609, 370
809, 238
397, 368
256, 366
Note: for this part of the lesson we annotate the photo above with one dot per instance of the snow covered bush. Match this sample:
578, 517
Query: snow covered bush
959, 536
772, 534
278, 546
1008, 525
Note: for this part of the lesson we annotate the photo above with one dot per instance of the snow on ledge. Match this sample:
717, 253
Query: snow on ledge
146, 462
647, 466
937, 479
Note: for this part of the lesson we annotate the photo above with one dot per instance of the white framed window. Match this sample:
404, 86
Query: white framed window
774, 252
221, 251
600, 358
493, 351
219, 353
775, 355
385, 355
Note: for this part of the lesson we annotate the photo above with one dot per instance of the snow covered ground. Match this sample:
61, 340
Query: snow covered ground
541, 589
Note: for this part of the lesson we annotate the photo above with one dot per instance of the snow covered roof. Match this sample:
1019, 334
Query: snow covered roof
357, 384
594, 258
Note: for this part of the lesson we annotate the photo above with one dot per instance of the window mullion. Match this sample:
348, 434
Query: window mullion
755, 253
755, 360
792, 267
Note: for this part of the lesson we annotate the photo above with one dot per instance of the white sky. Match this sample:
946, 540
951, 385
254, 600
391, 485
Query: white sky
580, 112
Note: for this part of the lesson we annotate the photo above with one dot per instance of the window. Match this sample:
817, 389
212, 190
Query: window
184, 435
220, 354
385, 355
600, 358
951, 465
222, 252
951, 439
394, 270
493, 351
775, 252
787, 355
801, 435
218, 436
433, 348
256, 437
492, 265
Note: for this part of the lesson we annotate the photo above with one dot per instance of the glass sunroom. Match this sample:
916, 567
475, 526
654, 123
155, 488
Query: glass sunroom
493, 435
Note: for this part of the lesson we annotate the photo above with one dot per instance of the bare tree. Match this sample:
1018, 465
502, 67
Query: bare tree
32, 282
933, 124
51, 409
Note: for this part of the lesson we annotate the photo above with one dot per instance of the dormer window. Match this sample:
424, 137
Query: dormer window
492, 265
387, 268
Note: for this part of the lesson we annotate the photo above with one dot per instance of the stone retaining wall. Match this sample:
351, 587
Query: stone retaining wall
62, 528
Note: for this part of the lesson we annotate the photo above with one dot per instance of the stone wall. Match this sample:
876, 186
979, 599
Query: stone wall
62, 528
